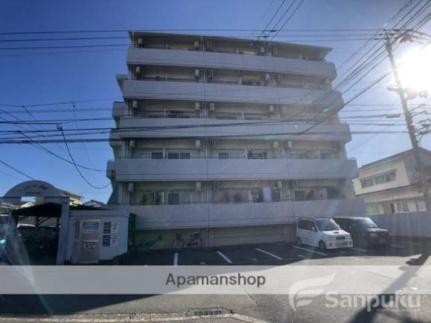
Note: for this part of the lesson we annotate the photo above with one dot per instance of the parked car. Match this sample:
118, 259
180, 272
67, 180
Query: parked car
323, 233
365, 233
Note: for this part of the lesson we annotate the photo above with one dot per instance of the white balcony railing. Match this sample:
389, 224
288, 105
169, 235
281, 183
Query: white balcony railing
217, 60
200, 127
137, 170
210, 92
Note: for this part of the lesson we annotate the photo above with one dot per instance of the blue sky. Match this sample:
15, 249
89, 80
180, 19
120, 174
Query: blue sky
57, 75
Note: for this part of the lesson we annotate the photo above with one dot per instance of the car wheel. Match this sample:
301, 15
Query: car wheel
298, 241
322, 245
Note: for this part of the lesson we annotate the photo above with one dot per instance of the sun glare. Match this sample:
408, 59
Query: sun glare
415, 70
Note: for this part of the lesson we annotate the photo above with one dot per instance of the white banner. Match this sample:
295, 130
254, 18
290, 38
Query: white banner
215, 279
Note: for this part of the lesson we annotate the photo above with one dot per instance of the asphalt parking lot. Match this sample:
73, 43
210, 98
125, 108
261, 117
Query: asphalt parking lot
400, 251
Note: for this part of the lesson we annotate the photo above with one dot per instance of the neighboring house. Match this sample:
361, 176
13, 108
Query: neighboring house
390, 185
214, 140
74, 199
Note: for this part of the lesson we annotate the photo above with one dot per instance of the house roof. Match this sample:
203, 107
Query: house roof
393, 157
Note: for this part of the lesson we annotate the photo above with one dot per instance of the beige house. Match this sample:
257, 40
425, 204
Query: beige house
390, 185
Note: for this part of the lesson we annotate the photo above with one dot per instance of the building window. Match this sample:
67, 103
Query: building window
173, 198
384, 178
378, 179
156, 155
179, 155
402, 206
152, 198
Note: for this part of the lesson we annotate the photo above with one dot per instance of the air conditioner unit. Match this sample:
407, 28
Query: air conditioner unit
198, 143
197, 72
279, 185
198, 186
130, 187
135, 104
132, 143
196, 44
197, 105
212, 106
275, 144
138, 70
140, 41
267, 76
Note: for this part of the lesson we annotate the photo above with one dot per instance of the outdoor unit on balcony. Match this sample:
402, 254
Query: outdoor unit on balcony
138, 70
135, 104
198, 143
140, 41
132, 143
197, 106
212, 106
130, 187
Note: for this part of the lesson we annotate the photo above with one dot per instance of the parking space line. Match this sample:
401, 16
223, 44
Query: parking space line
269, 254
310, 250
224, 257
176, 259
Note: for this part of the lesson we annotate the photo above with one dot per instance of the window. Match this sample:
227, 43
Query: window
152, 198
379, 179
156, 155
367, 182
304, 195
384, 178
402, 206
179, 155
173, 198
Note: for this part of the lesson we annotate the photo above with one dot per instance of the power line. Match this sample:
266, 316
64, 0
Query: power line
16, 169
78, 170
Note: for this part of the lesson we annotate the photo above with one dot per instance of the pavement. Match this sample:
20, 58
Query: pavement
237, 308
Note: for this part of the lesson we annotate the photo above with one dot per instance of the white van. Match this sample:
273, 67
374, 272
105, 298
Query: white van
323, 233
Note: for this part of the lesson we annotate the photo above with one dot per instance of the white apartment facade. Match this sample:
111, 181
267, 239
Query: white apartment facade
212, 142
390, 185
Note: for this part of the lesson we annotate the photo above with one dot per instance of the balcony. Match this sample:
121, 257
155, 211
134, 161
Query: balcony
199, 59
191, 128
163, 217
211, 92
138, 170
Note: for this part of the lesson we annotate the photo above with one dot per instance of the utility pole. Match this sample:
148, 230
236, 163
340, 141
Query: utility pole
420, 175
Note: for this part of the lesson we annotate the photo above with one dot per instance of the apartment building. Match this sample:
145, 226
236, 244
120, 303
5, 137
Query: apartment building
390, 185
225, 140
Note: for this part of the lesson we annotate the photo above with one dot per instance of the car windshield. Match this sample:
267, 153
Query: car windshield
367, 223
327, 225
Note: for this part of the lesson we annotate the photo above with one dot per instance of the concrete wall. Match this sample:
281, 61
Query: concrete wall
186, 216
214, 237
416, 224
